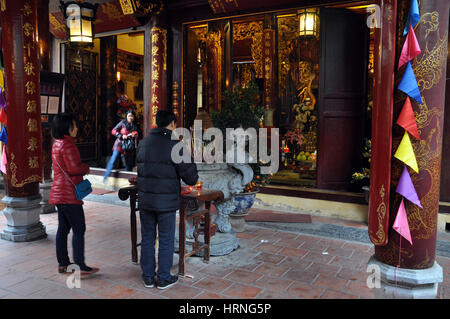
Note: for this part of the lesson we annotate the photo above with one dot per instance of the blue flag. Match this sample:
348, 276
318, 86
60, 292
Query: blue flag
4, 136
413, 17
408, 84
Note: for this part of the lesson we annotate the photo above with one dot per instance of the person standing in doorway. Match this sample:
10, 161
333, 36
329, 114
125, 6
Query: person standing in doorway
125, 131
159, 194
68, 170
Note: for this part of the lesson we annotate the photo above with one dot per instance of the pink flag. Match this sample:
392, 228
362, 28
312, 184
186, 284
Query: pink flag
401, 223
3, 161
406, 188
407, 120
410, 49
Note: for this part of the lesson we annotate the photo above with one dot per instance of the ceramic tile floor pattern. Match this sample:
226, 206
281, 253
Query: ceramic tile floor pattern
268, 264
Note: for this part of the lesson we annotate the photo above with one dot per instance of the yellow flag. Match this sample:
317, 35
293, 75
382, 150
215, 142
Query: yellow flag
2, 82
405, 153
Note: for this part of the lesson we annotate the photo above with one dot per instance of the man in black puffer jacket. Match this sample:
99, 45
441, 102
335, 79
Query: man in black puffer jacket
159, 194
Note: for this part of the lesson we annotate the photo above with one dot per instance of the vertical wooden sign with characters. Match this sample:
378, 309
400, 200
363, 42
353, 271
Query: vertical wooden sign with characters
158, 98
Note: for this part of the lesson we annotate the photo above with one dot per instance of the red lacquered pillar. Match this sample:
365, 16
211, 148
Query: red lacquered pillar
24, 153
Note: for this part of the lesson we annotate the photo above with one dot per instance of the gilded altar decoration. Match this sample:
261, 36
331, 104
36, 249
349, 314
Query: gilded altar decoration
287, 32
214, 58
252, 31
3, 5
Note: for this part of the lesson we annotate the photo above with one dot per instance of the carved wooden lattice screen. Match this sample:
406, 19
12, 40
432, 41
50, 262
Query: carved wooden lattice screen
81, 98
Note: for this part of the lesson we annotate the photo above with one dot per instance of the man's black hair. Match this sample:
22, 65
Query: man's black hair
61, 124
165, 117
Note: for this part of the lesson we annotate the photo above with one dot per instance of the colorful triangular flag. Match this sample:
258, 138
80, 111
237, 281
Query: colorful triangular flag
405, 153
2, 98
406, 188
410, 49
408, 84
401, 223
4, 136
413, 16
407, 119
3, 161
3, 117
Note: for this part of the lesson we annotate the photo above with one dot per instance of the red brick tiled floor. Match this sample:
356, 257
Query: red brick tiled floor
268, 264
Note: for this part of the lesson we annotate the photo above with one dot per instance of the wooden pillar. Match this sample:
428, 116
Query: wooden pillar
44, 65
430, 71
108, 96
24, 153
380, 179
156, 37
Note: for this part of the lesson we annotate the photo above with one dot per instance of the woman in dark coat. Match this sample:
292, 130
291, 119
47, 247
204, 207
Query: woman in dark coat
68, 170
124, 130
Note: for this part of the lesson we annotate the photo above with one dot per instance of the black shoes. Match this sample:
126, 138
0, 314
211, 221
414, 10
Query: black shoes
164, 284
148, 282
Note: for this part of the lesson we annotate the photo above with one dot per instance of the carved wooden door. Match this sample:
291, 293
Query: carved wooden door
81, 98
342, 96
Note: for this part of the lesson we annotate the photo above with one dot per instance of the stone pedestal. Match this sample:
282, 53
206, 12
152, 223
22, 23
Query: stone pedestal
44, 189
22, 219
411, 283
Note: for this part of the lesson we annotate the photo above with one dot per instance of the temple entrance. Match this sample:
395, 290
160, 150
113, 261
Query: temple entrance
313, 68
101, 92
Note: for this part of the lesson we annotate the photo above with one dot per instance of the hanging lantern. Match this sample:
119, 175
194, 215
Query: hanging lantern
80, 17
308, 22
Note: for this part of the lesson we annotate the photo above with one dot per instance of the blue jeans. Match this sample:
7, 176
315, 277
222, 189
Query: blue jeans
166, 233
128, 160
70, 216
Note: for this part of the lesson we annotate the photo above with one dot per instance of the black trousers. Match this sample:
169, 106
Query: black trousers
70, 216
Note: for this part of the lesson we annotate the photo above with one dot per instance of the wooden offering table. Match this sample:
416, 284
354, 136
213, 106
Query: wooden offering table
190, 209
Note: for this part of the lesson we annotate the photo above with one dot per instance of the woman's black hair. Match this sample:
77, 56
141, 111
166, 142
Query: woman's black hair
130, 126
61, 125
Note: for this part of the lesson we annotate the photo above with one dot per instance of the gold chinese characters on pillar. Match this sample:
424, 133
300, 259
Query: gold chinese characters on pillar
158, 70
20, 52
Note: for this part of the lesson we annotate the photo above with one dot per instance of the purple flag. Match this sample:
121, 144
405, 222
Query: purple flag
2, 99
406, 188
